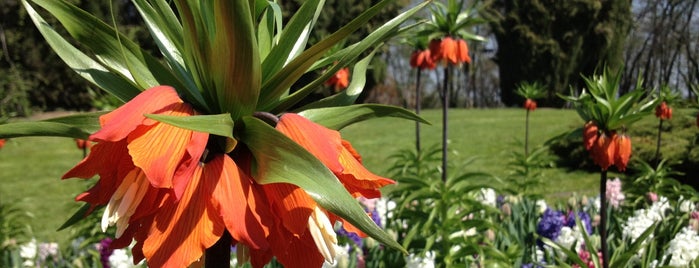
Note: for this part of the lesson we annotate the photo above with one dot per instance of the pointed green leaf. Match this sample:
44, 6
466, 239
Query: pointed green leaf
167, 34
234, 61
340, 117
295, 36
219, 124
89, 122
280, 160
275, 87
379, 35
351, 93
41, 128
114, 50
77, 216
85, 66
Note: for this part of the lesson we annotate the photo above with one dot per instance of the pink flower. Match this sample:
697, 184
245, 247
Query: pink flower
653, 197
614, 194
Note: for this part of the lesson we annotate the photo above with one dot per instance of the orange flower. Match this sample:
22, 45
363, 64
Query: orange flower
530, 104
463, 52
302, 226
2, 143
422, 59
156, 190
83, 144
340, 80
590, 134
623, 151
448, 50
663, 111
603, 152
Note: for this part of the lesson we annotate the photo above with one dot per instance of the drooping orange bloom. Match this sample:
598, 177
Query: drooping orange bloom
422, 59
156, 190
449, 51
604, 150
663, 111
2, 143
623, 151
590, 134
462, 52
340, 80
83, 144
530, 105
304, 237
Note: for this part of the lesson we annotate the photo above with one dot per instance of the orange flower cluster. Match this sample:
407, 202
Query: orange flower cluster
530, 104
164, 188
340, 80
607, 148
450, 50
422, 59
663, 111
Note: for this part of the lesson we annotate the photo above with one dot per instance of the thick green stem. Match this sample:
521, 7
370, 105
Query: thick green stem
417, 110
526, 137
603, 218
219, 255
657, 146
445, 118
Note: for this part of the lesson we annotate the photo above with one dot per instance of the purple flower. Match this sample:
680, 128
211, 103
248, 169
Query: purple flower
105, 251
551, 223
584, 219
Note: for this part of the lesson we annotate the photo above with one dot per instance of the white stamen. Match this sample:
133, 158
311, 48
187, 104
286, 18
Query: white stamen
323, 234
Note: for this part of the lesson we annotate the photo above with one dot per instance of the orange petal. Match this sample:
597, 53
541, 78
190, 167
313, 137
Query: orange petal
120, 122
291, 204
182, 230
158, 149
323, 143
357, 179
242, 207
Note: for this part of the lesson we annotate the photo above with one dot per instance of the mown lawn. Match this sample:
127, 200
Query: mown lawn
30, 168
490, 135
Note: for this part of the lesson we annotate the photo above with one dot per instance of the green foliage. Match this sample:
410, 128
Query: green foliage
14, 231
441, 216
601, 103
553, 42
531, 90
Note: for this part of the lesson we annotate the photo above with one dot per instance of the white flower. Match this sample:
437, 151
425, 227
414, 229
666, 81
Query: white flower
541, 206
569, 237
120, 259
28, 253
48, 251
385, 209
684, 248
487, 196
342, 258
642, 219
415, 261
686, 206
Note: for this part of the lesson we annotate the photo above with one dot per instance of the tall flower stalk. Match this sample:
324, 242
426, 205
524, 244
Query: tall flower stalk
663, 112
204, 154
608, 116
448, 32
420, 59
530, 92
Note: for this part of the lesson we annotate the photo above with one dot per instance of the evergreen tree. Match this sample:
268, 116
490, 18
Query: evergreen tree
554, 42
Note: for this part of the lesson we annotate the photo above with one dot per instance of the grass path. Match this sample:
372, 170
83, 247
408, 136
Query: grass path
31, 168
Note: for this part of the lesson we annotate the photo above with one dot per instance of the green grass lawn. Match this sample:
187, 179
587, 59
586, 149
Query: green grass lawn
490, 135
30, 168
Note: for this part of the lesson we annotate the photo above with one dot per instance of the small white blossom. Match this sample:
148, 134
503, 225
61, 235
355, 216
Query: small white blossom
28, 253
487, 196
686, 206
541, 206
415, 261
569, 237
684, 248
